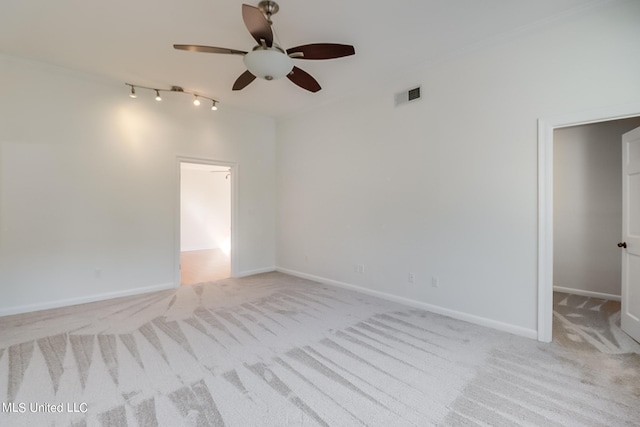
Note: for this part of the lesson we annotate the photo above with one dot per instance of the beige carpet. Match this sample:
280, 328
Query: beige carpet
273, 350
584, 324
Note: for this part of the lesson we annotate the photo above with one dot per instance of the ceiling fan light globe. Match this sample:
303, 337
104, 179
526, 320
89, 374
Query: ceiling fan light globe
268, 64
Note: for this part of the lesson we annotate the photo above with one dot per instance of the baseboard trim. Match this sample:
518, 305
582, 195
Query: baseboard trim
471, 318
8, 311
256, 271
584, 293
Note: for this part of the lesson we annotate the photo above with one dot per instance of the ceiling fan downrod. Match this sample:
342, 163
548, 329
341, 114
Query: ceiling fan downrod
269, 8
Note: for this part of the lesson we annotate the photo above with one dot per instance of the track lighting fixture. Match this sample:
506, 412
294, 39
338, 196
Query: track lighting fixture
178, 89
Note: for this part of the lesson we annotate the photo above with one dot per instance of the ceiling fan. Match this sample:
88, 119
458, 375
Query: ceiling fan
268, 60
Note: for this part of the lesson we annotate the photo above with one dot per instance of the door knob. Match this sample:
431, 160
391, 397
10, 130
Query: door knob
622, 244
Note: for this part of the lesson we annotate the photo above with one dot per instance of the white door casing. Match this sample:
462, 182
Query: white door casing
546, 127
235, 250
630, 244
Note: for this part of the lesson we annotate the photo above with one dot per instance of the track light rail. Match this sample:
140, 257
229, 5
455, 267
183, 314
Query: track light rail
176, 89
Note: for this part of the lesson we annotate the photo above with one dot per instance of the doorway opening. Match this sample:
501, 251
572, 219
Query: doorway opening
205, 252
587, 226
546, 130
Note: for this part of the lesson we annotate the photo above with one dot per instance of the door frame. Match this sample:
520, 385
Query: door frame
545, 200
234, 250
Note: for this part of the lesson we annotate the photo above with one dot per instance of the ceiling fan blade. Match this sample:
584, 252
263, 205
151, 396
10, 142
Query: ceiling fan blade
257, 24
244, 80
208, 49
304, 80
321, 51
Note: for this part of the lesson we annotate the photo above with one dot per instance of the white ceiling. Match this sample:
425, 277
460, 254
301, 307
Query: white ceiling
131, 41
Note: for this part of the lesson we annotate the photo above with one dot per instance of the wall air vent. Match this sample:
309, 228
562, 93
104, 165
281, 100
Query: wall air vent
408, 96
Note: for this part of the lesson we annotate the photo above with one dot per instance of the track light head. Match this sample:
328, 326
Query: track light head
133, 92
158, 97
196, 101
214, 107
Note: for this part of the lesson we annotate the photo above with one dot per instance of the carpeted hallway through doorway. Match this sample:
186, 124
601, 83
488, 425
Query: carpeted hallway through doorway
202, 266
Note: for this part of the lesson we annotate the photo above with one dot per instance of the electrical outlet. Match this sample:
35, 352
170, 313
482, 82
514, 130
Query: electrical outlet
412, 278
434, 282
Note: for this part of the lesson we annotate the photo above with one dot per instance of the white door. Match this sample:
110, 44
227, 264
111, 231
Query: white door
630, 244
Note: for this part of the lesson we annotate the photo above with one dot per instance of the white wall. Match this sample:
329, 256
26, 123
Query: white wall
587, 202
205, 214
89, 185
446, 187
